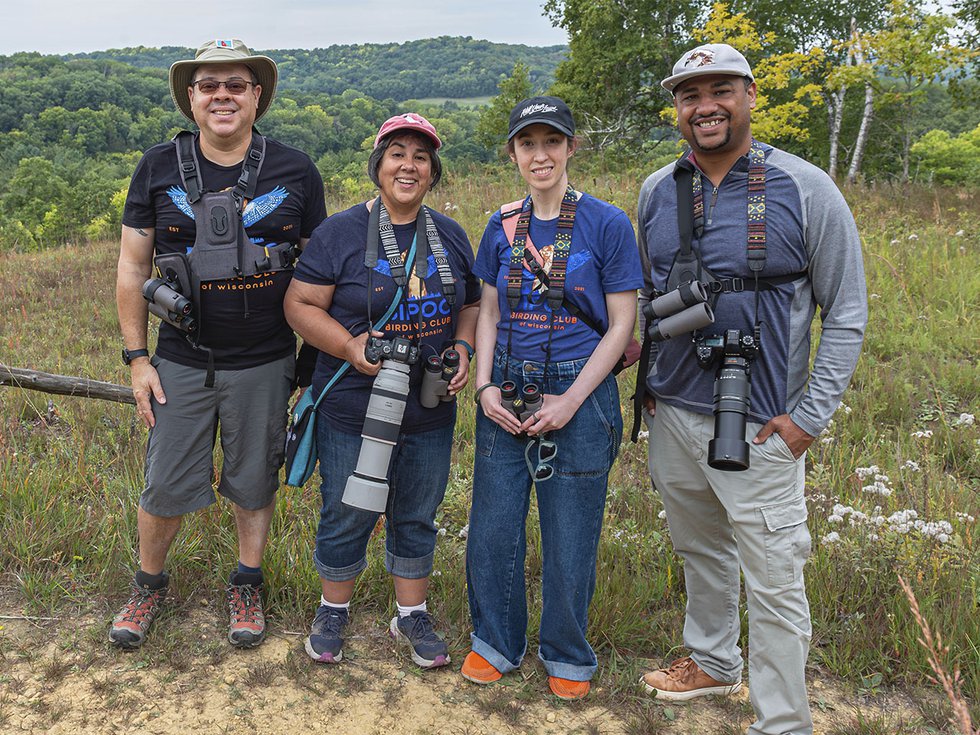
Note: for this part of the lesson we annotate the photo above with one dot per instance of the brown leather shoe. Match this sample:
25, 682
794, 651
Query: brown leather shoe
684, 680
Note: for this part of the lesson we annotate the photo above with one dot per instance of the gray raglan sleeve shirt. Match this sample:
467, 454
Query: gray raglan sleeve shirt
836, 274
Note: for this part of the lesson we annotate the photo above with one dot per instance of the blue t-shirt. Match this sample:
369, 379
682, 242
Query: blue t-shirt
334, 256
603, 259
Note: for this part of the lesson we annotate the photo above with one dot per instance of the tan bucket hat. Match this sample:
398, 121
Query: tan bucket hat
223, 51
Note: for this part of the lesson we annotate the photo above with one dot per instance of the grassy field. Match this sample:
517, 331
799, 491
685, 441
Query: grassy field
892, 486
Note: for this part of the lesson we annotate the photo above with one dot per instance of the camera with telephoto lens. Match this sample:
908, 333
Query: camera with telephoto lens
523, 404
169, 304
732, 352
685, 309
438, 373
367, 488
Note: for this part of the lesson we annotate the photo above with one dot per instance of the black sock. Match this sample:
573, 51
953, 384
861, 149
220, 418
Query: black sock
240, 578
151, 581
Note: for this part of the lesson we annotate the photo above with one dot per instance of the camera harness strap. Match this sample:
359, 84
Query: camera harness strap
522, 252
690, 222
379, 226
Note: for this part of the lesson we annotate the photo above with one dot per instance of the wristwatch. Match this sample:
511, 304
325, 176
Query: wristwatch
129, 355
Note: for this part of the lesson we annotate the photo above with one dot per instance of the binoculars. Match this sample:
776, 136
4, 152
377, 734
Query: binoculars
169, 304
685, 309
522, 404
438, 373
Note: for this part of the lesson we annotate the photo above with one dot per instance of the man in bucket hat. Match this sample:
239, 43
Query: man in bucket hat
773, 239
236, 367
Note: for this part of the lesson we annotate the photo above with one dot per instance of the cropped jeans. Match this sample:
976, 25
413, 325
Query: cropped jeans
570, 509
417, 478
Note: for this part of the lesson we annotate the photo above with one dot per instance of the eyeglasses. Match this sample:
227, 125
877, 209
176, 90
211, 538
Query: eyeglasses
210, 86
547, 451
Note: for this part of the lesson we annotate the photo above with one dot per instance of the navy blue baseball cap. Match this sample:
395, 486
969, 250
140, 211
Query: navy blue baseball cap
545, 110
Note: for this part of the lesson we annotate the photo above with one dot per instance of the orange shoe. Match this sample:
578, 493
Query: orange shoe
478, 670
568, 689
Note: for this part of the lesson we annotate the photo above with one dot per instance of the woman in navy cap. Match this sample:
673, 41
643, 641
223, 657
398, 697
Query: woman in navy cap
560, 271
333, 300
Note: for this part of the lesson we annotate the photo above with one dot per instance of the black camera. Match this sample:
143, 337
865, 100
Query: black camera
166, 302
523, 404
732, 352
398, 349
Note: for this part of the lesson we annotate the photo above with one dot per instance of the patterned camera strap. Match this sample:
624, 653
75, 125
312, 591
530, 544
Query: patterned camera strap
756, 244
554, 280
429, 236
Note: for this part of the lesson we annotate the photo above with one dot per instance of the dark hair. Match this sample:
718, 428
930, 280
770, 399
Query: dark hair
378, 153
509, 145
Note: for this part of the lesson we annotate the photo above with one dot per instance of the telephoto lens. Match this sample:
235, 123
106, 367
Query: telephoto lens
728, 450
367, 488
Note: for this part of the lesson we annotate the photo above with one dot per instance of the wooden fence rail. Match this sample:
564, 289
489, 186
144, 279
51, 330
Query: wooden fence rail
65, 385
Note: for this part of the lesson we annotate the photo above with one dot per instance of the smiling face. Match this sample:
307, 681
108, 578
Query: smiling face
405, 176
541, 154
221, 114
714, 114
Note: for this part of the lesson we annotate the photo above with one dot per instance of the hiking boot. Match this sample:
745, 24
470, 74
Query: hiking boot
684, 680
478, 670
131, 624
326, 640
568, 689
417, 632
247, 623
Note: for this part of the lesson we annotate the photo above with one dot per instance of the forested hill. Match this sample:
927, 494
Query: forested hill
448, 66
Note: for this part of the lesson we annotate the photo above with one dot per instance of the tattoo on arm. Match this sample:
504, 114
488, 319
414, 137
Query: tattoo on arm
140, 232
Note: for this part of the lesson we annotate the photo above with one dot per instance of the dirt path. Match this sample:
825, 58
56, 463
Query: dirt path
61, 677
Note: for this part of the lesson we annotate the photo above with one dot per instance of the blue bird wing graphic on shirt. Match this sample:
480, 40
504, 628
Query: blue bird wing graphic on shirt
578, 260
263, 206
384, 268
179, 197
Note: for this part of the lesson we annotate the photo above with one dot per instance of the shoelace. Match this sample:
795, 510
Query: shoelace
682, 670
331, 625
243, 603
141, 604
422, 628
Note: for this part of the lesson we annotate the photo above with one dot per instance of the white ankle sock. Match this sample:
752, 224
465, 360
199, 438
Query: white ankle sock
405, 610
338, 605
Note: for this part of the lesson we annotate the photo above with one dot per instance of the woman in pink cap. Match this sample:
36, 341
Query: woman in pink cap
400, 273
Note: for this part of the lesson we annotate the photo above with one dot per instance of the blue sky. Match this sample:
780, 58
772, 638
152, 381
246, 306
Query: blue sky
67, 26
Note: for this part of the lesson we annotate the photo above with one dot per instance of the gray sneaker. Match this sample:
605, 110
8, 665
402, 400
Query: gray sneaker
417, 632
326, 640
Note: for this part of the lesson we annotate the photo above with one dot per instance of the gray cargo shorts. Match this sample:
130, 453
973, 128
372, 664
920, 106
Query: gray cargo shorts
246, 408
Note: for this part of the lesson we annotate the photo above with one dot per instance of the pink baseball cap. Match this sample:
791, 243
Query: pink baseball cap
409, 121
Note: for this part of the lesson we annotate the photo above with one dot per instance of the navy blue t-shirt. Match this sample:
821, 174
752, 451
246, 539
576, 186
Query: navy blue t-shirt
335, 257
603, 259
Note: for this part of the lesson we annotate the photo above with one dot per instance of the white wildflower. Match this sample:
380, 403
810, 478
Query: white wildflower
877, 488
873, 296
863, 472
831, 538
642, 435
464, 531
827, 440
922, 434
913, 236
911, 466
965, 517
835, 519
896, 241
662, 515
960, 233
441, 532
965, 419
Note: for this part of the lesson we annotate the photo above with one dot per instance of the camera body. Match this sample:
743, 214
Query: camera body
398, 349
438, 373
732, 353
522, 404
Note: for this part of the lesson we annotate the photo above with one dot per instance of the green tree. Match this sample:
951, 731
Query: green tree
914, 49
619, 51
949, 160
491, 130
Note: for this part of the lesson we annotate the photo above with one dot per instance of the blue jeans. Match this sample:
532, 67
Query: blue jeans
417, 478
570, 507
